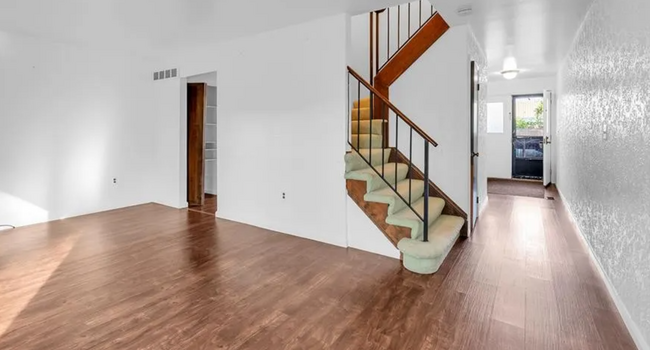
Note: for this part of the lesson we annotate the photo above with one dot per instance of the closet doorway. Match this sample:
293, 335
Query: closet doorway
202, 143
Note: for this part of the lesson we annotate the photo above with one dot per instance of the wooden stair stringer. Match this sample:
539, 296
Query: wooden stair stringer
422, 40
432, 30
377, 212
451, 208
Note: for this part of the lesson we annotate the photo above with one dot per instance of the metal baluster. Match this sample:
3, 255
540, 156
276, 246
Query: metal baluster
410, 163
420, 15
396, 144
376, 44
409, 32
399, 21
383, 148
387, 34
358, 116
431, 10
372, 69
372, 107
425, 234
349, 114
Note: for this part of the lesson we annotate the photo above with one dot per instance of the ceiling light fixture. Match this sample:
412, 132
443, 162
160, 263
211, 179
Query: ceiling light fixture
510, 70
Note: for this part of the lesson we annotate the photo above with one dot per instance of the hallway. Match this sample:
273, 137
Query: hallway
159, 278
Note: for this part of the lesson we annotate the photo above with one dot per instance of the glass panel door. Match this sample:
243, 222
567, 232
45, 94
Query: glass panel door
528, 137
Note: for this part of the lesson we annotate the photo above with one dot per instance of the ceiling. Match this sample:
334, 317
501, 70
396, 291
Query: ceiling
146, 25
538, 33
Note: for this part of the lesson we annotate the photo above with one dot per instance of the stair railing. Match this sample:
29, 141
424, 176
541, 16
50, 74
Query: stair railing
384, 110
387, 26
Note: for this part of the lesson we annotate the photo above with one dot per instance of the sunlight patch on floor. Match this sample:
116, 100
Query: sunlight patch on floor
41, 263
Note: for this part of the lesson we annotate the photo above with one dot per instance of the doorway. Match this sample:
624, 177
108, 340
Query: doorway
202, 143
528, 129
474, 151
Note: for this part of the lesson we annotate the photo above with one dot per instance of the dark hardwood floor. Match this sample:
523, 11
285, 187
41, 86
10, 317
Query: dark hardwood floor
151, 277
209, 205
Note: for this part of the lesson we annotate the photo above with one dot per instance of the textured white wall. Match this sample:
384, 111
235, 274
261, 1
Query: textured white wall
605, 81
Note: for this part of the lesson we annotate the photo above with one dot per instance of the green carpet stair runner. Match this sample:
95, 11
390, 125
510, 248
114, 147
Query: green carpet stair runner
419, 257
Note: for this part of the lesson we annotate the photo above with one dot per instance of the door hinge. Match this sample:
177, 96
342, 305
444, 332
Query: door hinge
476, 200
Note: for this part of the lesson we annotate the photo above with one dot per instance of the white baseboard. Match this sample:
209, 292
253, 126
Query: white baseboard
632, 327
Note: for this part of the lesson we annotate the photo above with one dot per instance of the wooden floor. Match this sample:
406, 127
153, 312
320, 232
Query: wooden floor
151, 277
516, 187
209, 205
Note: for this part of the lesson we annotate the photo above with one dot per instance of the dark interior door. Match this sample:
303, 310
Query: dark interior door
196, 110
474, 204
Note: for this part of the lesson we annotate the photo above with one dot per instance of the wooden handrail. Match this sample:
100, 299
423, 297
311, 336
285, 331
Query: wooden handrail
393, 108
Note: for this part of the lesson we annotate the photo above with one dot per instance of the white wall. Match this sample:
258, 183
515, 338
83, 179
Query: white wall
498, 150
281, 127
364, 235
434, 93
71, 120
170, 152
606, 180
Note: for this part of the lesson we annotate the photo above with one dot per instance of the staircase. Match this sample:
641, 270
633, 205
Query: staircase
414, 214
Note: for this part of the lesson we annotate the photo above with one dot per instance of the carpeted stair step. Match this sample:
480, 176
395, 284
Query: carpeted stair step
407, 218
426, 257
395, 203
366, 141
354, 160
377, 127
362, 113
374, 179
364, 102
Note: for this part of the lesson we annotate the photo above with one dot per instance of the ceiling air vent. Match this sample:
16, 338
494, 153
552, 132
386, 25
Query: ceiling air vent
165, 74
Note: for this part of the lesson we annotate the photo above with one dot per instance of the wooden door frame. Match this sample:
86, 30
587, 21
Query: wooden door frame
196, 110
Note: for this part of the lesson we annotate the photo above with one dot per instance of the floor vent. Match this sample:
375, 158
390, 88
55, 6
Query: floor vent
550, 198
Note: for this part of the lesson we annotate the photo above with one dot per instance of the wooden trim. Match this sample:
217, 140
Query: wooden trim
412, 50
451, 208
392, 107
196, 110
377, 212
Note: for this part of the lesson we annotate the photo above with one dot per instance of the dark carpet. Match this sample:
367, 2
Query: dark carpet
516, 188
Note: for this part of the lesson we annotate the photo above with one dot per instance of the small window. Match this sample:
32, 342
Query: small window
495, 118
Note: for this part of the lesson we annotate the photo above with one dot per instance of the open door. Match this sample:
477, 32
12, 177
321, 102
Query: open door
196, 110
474, 204
548, 100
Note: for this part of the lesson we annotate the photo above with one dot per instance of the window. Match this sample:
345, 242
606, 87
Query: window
495, 118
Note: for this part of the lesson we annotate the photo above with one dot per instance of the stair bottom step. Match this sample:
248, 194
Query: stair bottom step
426, 257
425, 266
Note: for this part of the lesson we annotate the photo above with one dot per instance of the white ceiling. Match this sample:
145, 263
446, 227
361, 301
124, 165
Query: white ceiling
145, 25
538, 33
